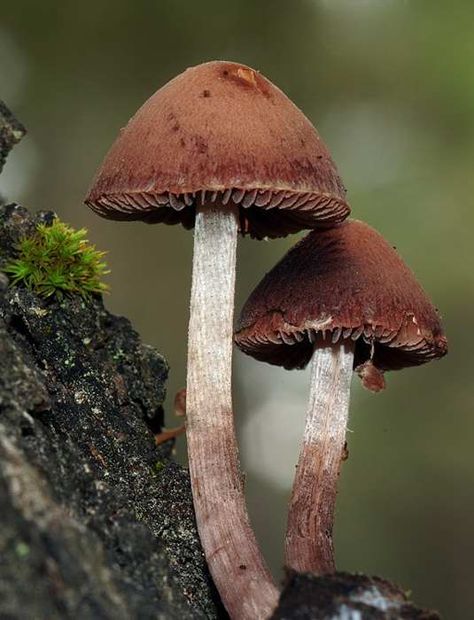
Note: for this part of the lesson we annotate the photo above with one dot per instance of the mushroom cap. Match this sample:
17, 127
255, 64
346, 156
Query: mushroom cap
221, 132
342, 283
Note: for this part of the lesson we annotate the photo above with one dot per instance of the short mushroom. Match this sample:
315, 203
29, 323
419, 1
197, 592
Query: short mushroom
344, 298
222, 149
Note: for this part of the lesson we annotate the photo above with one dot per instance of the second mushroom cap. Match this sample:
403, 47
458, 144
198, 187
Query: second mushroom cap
342, 283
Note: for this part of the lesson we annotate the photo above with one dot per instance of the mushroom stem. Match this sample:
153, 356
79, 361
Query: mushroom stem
234, 559
308, 545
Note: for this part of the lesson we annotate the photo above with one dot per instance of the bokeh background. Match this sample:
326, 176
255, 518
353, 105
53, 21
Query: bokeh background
390, 86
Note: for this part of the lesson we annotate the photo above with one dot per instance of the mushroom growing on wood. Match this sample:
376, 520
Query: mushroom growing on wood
222, 149
344, 298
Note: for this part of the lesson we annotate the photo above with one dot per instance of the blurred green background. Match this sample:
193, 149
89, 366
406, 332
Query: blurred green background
390, 86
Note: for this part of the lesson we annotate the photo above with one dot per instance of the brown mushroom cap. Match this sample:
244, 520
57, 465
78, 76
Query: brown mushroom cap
341, 283
222, 132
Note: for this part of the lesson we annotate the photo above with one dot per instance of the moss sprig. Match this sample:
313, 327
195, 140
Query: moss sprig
58, 260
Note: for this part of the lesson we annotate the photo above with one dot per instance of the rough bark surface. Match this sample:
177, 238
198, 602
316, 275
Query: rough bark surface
11, 132
96, 521
343, 596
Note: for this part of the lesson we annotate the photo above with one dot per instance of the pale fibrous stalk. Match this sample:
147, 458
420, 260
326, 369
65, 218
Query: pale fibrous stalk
235, 562
309, 541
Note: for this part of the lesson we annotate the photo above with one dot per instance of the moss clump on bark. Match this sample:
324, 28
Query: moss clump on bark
57, 260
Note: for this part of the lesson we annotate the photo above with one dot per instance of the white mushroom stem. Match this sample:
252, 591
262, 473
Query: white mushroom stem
309, 545
235, 562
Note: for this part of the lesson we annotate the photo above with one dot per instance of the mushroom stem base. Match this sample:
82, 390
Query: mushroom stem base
229, 544
309, 545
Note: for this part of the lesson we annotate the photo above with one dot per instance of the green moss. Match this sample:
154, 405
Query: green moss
158, 466
22, 550
58, 260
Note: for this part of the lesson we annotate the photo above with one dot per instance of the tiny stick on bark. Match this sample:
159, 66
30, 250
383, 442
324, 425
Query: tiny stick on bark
231, 550
309, 545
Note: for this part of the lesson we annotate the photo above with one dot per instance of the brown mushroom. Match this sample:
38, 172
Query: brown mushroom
343, 298
222, 149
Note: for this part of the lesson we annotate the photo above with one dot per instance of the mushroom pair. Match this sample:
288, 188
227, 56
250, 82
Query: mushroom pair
344, 299
222, 149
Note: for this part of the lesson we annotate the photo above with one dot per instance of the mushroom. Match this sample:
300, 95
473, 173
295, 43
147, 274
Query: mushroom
343, 298
222, 149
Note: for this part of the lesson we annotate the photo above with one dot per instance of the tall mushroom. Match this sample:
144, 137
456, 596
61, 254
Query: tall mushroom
343, 298
222, 149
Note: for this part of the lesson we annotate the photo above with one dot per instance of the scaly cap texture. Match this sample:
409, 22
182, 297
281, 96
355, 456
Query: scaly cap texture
343, 283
